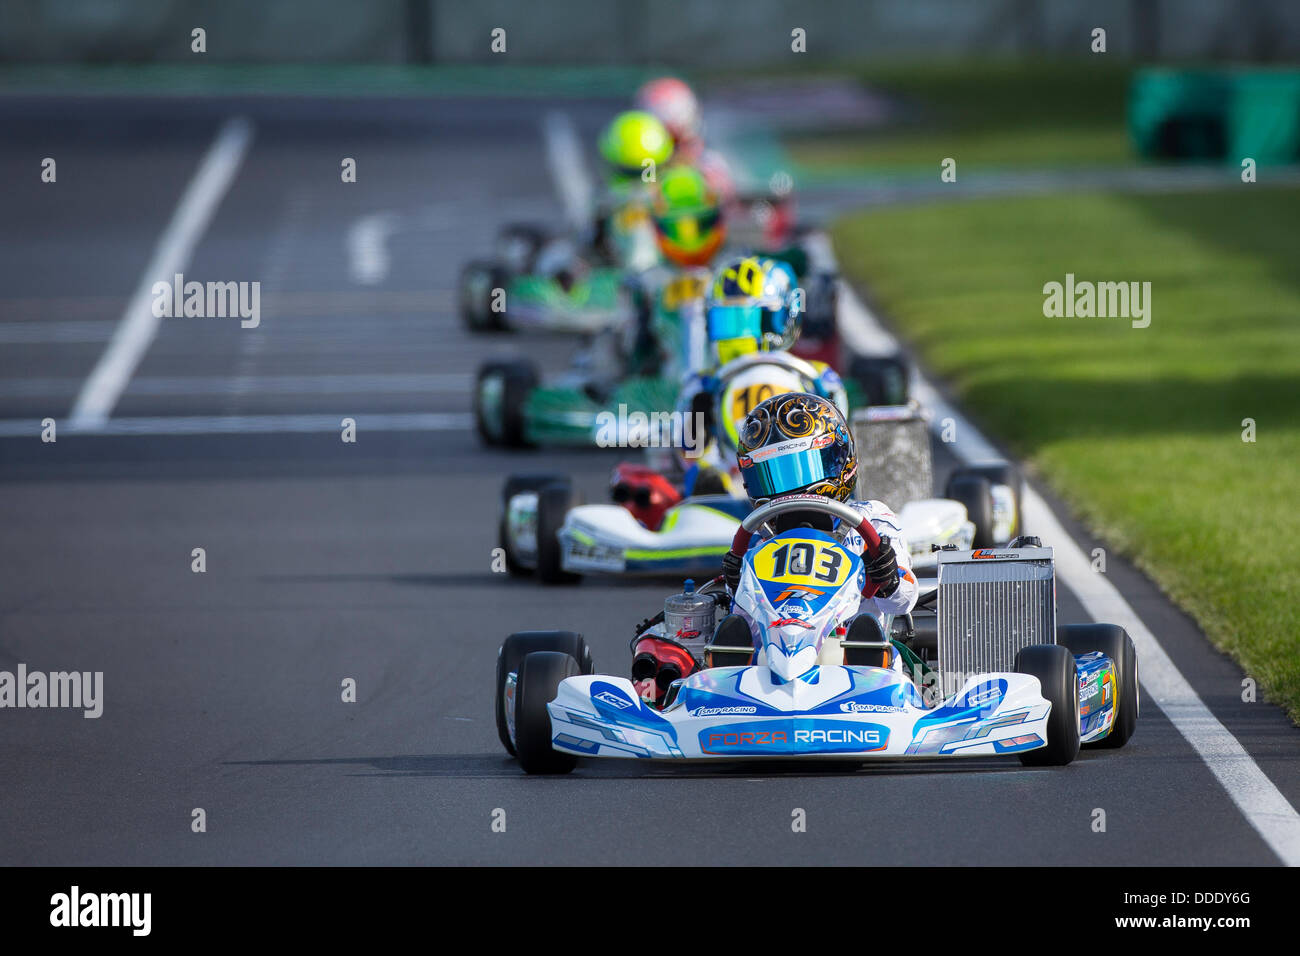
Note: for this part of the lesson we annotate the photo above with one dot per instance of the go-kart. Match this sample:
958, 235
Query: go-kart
796, 672
604, 386
631, 370
539, 279
652, 529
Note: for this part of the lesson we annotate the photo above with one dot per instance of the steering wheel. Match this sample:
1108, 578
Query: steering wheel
764, 513
780, 359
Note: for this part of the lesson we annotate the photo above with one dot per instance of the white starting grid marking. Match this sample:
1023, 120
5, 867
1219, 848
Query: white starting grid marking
450, 383
568, 171
252, 424
367, 242
138, 326
1256, 796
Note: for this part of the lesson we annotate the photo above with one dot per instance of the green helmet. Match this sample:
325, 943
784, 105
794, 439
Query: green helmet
687, 217
631, 139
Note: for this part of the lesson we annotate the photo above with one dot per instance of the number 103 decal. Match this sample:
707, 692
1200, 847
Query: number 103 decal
802, 561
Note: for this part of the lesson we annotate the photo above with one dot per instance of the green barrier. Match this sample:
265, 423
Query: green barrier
1210, 115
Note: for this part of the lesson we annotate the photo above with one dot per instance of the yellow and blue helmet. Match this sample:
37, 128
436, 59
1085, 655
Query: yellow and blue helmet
752, 306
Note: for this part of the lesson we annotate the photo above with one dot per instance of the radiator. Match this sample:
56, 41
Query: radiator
893, 446
992, 602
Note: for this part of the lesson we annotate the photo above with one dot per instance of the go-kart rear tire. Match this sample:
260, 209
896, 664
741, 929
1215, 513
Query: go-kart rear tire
1053, 665
975, 492
553, 503
1113, 641
501, 422
476, 289
882, 378
538, 681
518, 646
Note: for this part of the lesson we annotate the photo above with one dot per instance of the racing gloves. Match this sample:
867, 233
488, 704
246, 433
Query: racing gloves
882, 570
731, 563
731, 570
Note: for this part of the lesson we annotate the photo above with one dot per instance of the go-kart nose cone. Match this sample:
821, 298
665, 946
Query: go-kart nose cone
791, 657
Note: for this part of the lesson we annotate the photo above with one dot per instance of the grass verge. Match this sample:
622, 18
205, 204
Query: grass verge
987, 115
1139, 430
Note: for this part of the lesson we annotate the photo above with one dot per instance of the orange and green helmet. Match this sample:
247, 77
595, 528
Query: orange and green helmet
630, 139
687, 217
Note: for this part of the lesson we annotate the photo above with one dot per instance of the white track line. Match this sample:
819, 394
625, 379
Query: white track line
252, 424
1255, 795
368, 259
568, 171
138, 325
450, 383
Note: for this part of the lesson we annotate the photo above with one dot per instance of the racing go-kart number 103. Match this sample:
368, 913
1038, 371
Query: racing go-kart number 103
796, 673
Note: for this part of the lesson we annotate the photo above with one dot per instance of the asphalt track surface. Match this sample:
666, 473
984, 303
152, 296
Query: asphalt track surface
371, 560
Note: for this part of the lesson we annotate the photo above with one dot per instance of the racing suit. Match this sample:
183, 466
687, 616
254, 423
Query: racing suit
901, 601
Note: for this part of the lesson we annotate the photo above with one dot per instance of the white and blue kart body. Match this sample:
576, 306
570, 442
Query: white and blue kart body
835, 711
799, 700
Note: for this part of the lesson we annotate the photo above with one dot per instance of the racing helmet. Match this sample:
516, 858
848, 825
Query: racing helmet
797, 442
782, 323
675, 105
749, 300
630, 139
687, 217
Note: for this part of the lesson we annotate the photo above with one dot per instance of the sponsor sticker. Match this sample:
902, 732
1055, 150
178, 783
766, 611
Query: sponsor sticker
812, 736
853, 707
614, 700
777, 451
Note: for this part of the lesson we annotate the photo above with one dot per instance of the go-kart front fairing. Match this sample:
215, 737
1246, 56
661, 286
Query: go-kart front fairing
836, 711
607, 539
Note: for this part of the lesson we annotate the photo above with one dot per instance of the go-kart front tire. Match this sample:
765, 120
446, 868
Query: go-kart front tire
1113, 641
477, 288
976, 494
518, 646
1053, 665
1000, 473
501, 391
517, 484
553, 503
538, 682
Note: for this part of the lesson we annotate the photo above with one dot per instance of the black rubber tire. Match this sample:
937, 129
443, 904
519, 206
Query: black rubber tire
522, 643
976, 494
515, 484
1113, 641
732, 631
709, 482
553, 503
518, 378
474, 288
864, 627
882, 378
538, 681
1002, 473
1053, 665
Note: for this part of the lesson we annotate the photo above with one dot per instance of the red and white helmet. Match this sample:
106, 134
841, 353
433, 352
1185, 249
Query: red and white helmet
675, 105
